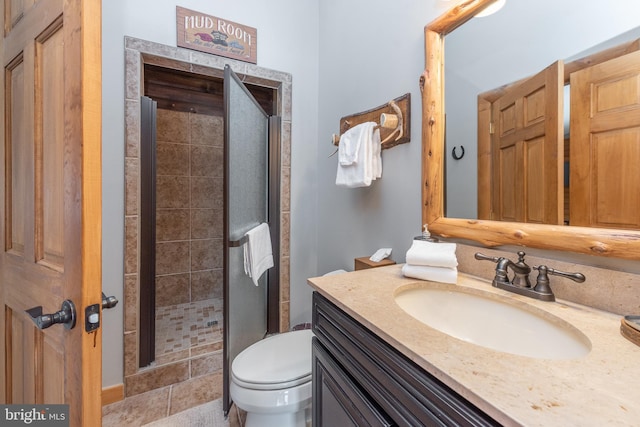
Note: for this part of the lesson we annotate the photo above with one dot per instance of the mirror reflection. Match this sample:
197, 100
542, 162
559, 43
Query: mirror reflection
545, 157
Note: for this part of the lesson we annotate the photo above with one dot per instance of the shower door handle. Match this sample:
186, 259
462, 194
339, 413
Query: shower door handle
242, 240
237, 243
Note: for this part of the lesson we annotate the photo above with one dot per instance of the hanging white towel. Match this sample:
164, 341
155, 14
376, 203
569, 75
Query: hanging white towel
359, 160
349, 145
432, 254
258, 254
433, 274
376, 155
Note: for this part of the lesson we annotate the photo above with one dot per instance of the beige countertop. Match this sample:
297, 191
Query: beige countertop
600, 389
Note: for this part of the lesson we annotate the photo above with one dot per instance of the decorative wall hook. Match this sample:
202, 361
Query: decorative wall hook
389, 121
455, 155
394, 119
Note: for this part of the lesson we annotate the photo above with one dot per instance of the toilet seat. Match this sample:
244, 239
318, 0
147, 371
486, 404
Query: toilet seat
277, 362
271, 386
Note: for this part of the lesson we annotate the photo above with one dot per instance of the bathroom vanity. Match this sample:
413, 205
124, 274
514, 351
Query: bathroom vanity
359, 379
375, 364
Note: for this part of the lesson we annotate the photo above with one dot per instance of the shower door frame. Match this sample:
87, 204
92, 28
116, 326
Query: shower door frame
138, 53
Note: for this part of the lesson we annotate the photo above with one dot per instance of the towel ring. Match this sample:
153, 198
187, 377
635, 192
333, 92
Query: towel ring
455, 155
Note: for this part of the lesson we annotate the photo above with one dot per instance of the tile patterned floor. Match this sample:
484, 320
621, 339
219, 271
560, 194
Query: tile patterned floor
207, 415
183, 326
147, 410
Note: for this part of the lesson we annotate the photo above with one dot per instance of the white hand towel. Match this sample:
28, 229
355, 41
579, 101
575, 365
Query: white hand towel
361, 171
376, 146
349, 145
433, 274
432, 254
258, 255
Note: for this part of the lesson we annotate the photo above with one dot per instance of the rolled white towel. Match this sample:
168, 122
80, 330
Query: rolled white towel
432, 254
433, 274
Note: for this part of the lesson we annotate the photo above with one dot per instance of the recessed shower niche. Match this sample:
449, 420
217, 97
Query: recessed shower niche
179, 342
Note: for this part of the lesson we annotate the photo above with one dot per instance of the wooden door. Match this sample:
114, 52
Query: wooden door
50, 221
526, 150
604, 175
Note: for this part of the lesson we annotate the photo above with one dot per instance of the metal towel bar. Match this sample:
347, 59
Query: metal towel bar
236, 243
242, 240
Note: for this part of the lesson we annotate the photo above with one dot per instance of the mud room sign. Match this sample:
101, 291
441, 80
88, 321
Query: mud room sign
215, 35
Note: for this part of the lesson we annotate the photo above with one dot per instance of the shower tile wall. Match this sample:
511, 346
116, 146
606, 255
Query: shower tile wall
189, 208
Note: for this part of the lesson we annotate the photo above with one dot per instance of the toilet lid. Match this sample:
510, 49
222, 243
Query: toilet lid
280, 361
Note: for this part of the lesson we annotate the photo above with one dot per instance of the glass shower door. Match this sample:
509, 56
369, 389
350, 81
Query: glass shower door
246, 206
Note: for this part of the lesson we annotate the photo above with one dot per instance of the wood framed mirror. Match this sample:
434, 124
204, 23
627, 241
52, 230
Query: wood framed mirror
607, 242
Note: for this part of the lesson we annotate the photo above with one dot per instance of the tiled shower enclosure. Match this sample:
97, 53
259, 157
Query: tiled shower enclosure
189, 232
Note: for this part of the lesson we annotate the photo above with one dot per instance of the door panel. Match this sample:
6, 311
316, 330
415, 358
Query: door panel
16, 157
50, 220
246, 206
605, 144
24, 339
535, 180
49, 146
526, 151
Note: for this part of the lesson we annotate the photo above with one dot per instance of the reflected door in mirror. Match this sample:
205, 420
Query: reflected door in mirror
605, 144
524, 167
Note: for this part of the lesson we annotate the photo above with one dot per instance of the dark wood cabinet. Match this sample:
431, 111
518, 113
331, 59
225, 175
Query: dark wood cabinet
360, 380
339, 400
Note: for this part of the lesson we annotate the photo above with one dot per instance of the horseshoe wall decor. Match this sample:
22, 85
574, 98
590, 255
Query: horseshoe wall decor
455, 155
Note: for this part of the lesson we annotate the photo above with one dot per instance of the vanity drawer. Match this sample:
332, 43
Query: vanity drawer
407, 393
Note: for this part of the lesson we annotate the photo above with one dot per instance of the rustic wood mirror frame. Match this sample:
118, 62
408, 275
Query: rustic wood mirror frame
593, 241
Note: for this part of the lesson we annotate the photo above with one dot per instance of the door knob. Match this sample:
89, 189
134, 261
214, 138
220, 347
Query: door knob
66, 315
108, 302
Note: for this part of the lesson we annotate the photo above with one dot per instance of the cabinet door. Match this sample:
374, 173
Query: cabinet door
337, 401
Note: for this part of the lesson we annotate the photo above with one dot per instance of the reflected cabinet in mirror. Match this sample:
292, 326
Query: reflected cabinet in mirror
544, 98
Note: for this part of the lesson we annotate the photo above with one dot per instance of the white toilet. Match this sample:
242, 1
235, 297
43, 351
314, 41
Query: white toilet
271, 380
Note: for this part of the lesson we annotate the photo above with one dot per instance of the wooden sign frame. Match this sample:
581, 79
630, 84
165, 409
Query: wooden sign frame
217, 36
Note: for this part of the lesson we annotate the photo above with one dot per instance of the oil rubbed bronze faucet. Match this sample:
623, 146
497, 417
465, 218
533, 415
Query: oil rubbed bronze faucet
520, 283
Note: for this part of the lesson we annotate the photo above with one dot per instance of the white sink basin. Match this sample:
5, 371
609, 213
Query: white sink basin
494, 322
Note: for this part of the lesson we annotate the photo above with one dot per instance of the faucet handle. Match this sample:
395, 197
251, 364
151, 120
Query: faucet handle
542, 283
501, 271
482, 257
576, 277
